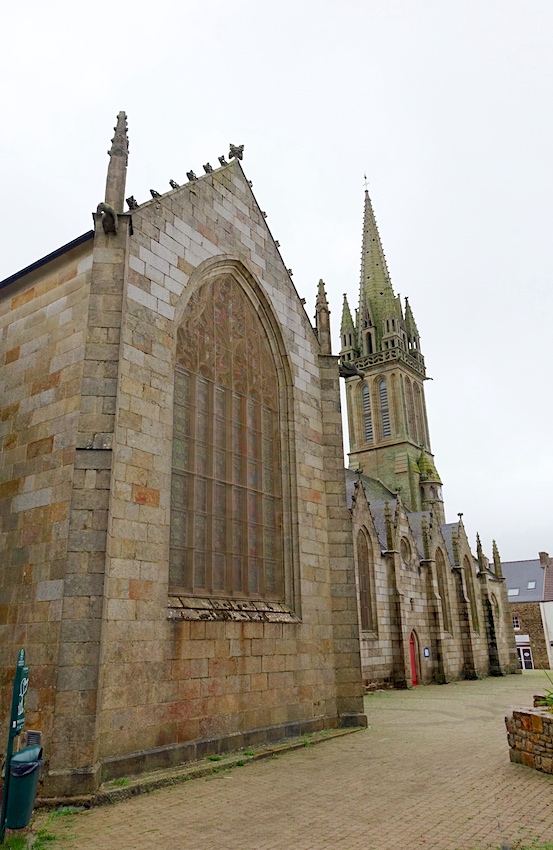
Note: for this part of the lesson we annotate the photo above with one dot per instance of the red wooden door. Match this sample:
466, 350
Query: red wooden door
413, 657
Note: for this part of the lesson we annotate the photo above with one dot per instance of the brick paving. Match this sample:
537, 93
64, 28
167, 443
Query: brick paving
432, 771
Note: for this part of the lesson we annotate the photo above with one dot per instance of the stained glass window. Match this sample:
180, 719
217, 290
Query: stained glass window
226, 499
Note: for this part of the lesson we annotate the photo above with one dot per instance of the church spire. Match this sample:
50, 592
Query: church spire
322, 319
377, 302
117, 168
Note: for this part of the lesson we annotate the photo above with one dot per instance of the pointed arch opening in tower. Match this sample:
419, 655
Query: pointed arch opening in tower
367, 415
384, 408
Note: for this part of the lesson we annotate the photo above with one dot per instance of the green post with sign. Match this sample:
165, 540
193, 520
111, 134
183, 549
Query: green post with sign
17, 723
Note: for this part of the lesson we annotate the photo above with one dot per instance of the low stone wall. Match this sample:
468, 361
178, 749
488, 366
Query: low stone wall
530, 736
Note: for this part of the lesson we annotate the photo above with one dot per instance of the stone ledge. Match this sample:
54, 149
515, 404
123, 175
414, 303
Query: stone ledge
200, 608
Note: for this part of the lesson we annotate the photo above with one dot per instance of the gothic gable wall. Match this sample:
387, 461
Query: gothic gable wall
170, 676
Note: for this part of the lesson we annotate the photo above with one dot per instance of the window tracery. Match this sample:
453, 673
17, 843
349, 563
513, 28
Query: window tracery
226, 494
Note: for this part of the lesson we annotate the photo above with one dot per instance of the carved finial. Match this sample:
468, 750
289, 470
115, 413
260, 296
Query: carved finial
277, 243
290, 272
496, 560
155, 194
389, 527
425, 538
132, 203
455, 545
236, 151
222, 160
117, 168
322, 319
250, 183
173, 184
208, 168
479, 553
263, 213
191, 175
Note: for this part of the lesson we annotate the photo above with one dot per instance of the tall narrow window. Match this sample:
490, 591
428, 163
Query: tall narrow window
367, 601
470, 579
226, 501
418, 413
443, 589
384, 409
367, 415
411, 412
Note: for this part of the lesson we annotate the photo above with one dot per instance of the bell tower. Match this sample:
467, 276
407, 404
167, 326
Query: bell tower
381, 354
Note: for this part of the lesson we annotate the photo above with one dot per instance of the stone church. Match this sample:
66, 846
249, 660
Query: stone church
429, 611
181, 563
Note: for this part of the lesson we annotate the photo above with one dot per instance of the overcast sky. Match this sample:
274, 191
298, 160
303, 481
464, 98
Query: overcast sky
445, 104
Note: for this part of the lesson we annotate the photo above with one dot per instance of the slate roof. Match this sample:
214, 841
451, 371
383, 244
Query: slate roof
375, 491
519, 573
447, 532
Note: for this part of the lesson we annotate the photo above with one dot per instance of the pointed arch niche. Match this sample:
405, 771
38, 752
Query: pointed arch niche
232, 537
365, 571
470, 579
443, 589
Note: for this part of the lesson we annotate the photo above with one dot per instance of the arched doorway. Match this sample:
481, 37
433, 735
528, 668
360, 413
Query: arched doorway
414, 657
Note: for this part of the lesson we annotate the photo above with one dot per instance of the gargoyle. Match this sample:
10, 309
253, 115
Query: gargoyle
348, 370
109, 217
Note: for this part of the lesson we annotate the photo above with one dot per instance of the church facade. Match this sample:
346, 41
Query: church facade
181, 562
429, 610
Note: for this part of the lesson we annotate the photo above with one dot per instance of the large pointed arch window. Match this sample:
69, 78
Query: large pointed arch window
367, 415
443, 589
367, 596
469, 580
226, 491
384, 408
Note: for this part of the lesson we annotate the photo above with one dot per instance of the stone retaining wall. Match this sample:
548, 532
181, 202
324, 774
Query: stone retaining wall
530, 736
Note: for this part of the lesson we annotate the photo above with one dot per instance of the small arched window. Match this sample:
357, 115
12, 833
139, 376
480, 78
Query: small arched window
367, 415
441, 574
384, 408
367, 598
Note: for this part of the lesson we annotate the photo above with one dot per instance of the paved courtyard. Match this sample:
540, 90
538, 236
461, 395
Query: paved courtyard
431, 771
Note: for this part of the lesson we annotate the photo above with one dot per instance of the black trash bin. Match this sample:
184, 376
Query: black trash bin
24, 770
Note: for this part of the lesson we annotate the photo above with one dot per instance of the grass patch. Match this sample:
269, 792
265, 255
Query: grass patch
122, 782
215, 758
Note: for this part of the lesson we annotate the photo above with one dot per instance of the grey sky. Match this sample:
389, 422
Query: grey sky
445, 105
